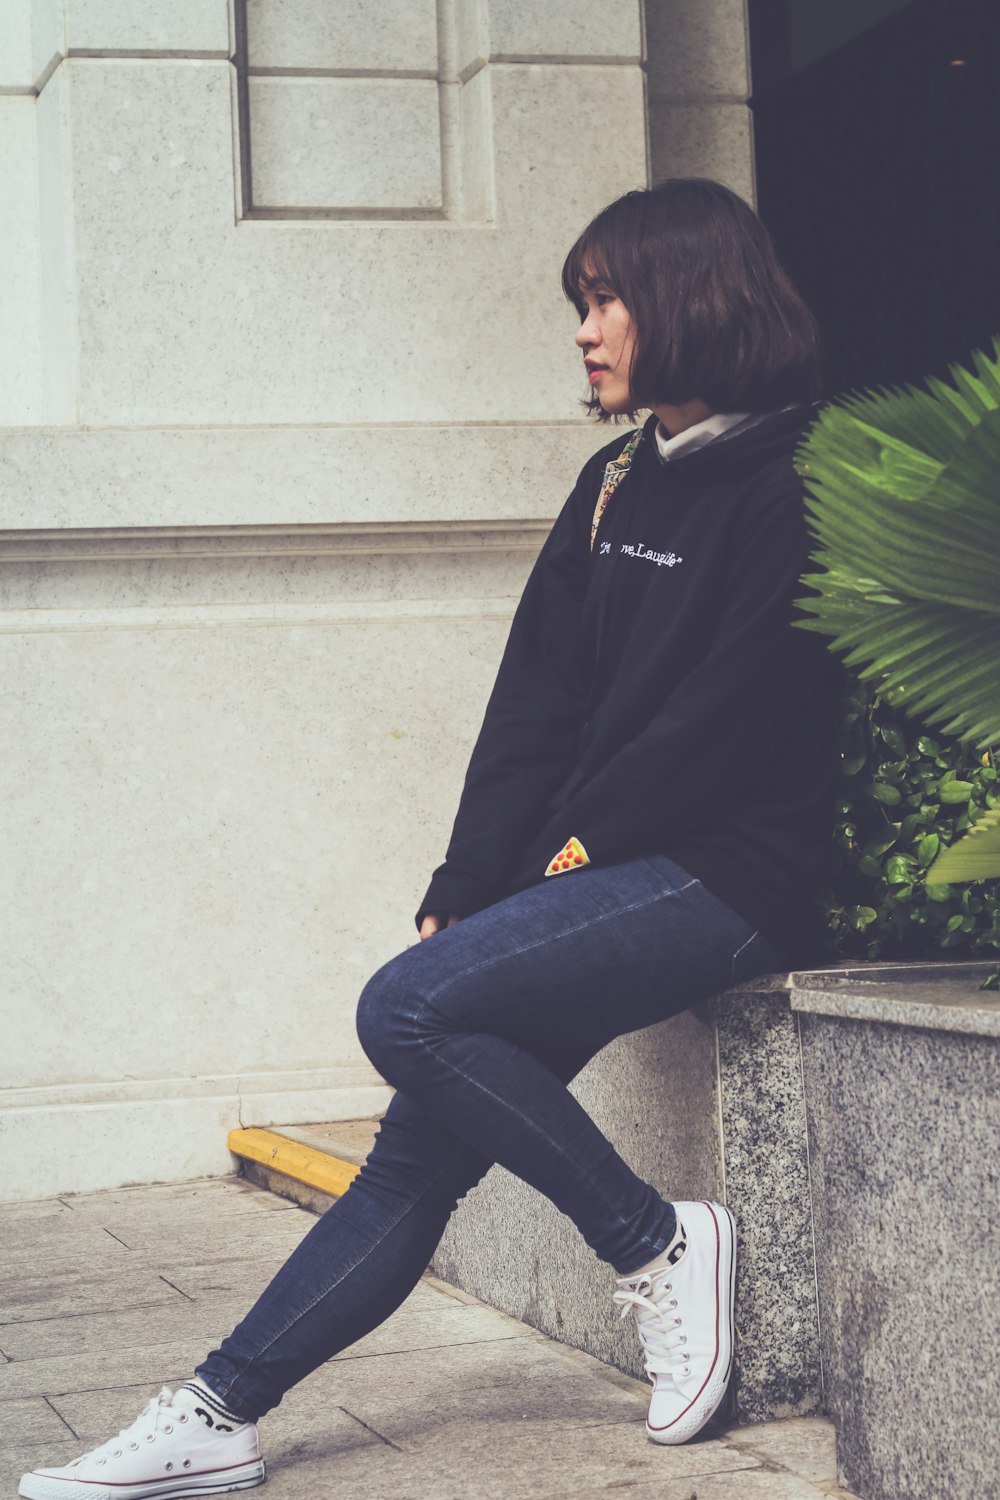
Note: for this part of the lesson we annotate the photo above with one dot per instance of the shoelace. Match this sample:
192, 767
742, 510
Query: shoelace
156, 1417
657, 1323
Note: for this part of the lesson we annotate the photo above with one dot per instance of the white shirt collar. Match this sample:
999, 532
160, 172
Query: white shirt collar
697, 436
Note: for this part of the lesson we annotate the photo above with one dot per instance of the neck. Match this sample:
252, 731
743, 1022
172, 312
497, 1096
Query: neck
677, 419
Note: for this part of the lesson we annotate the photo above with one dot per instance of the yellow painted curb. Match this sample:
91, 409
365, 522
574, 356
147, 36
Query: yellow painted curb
315, 1168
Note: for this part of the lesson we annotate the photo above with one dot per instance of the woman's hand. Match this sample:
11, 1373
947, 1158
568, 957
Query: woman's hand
433, 923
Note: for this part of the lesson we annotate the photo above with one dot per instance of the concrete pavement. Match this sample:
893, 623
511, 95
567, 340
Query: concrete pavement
107, 1296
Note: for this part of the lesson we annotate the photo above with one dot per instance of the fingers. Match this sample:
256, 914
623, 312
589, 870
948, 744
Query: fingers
433, 922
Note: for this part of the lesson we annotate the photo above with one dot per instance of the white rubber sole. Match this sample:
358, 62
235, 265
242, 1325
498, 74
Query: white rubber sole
704, 1408
242, 1477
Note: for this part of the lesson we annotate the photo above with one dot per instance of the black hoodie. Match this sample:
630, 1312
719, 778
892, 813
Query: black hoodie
654, 697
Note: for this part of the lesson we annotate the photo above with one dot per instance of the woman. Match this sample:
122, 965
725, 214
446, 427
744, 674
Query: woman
643, 823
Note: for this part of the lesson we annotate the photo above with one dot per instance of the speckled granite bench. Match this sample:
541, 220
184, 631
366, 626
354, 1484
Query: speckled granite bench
901, 1087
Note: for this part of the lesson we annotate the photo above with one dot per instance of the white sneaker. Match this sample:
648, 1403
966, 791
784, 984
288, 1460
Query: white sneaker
684, 1314
179, 1446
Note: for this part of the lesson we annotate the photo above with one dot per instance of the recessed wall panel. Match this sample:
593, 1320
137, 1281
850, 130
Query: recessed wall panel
341, 35
345, 143
185, 26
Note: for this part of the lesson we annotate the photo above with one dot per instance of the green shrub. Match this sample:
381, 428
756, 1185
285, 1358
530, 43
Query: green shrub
905, 792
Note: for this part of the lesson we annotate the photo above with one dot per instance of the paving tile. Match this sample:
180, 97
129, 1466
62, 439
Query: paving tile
498, 1461
171, 1200
229, 1237
444, 1328
27, 1239
536, 1456
95, 1229
36, 1294
227, 1274
510, 1380
30, 1421
38, 1208
88, 1258
61, 1259
119, 1330
427, 1319
149, 1366
97, 1414
805, 1445
744, 1485
233, 1272
24, 1455
88, 1367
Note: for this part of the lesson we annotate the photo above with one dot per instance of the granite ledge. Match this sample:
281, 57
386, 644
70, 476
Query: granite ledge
932, 996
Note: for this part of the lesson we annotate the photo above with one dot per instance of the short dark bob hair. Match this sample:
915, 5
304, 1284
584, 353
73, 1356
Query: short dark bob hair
716, 317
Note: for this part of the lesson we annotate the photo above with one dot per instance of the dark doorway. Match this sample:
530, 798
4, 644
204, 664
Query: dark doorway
877, 142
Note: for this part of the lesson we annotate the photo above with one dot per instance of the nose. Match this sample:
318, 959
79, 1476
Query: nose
588, 333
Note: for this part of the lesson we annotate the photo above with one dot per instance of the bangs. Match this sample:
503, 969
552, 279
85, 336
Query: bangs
586, 267
609, 252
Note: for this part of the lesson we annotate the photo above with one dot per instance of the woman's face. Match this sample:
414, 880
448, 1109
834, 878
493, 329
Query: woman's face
606, 337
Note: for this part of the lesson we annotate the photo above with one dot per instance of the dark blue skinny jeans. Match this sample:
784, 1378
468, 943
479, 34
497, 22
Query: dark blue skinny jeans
480, 1028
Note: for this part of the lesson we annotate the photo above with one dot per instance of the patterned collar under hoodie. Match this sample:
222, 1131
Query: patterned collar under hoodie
654, 696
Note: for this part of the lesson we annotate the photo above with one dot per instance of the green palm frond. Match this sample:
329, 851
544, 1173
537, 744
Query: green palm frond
917, 652
974, 857
903, 496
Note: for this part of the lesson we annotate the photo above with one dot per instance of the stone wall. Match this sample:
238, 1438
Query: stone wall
289, 401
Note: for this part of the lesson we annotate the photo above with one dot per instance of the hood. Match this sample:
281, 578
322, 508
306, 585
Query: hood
749, 445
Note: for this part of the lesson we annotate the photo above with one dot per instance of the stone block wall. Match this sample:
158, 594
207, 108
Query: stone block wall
698, 80
289, 401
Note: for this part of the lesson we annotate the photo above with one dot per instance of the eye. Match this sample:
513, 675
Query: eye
594, 298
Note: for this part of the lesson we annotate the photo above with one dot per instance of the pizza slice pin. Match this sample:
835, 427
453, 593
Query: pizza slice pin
569, 858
